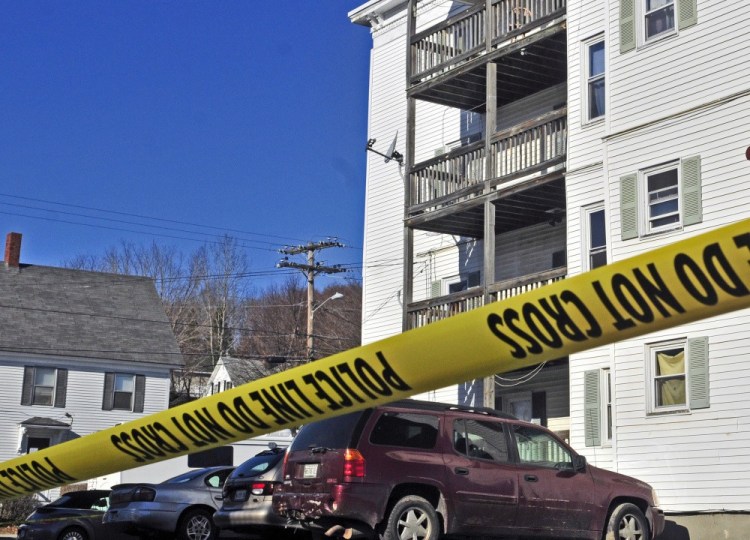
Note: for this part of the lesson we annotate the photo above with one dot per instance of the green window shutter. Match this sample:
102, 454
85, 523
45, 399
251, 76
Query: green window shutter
629, 206
435, 289
627, 25
592, 423
698, 372
692, 199
687, 13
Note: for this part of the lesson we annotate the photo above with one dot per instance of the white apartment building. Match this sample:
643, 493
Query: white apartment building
571, 133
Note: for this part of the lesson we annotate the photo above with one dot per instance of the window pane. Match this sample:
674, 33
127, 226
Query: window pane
483, 440
670, 392
663, 208
43, 395
44, 377
124, 383
596, 59
661, 180
122, 401
538, 447
596, 98
598, 258
596, 226
660, 21
654, 4
403, 429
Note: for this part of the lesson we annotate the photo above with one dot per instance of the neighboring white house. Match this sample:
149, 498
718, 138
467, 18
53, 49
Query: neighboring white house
574, 133
79, 352
230, 372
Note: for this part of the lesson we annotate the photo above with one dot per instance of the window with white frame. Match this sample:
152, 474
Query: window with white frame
678, 375
595, 236
645, 21
44, 386
460, 283
658, 18
595, 83
123, 392
661, 198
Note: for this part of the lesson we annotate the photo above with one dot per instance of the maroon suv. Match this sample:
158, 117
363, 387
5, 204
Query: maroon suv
416, 470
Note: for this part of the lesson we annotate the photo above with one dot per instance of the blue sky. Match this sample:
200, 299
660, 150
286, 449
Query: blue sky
243, 117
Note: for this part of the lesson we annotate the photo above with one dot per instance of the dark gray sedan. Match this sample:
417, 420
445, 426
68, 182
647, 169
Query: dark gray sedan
76, 515
183, 505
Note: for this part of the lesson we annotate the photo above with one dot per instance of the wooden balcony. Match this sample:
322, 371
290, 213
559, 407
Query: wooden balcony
457, 40
435, 309
520, 151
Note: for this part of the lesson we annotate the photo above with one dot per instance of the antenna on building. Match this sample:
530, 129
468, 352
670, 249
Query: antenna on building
390, 154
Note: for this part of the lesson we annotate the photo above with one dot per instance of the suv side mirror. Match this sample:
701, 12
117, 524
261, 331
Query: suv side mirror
579, 463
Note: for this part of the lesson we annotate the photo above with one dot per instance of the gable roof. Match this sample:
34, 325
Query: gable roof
241, 370
89, 315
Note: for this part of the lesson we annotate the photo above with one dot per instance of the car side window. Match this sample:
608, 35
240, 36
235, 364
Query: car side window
405, 429
538, 447
479, 439
217, 480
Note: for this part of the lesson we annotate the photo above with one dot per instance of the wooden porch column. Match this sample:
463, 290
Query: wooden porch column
489, 207
411, 112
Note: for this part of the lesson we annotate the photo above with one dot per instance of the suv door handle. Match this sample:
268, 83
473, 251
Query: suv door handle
461, 470
530, 477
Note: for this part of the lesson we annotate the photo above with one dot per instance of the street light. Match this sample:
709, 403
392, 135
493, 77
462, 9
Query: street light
310, 320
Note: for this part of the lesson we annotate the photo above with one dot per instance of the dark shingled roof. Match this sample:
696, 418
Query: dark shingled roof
242, 370
64, 312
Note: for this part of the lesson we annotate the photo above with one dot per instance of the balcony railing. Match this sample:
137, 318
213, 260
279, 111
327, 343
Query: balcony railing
524, 149
435, 309
462, 37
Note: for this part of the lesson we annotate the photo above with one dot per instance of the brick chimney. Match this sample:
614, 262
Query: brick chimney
13, 250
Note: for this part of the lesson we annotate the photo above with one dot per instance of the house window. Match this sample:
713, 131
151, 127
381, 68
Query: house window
456, 284
678, 375
44, 386
595, 87
661, 189
659, 17
124, 391
595, 237
661, 198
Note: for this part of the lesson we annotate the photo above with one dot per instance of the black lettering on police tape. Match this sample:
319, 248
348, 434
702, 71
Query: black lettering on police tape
310, 380
280, 391
657, 291
279, 416
292, 385
122, 443
345, 369
620, 322
340, 380
48, 475
540, 326
719, 274
742, 240
201, 428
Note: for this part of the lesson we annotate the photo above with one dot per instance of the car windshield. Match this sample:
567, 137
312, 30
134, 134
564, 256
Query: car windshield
257, 465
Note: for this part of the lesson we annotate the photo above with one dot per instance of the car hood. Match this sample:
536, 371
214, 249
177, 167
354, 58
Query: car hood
621, 483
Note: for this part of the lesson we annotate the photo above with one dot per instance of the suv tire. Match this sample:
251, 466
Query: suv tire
627, 522
412, 517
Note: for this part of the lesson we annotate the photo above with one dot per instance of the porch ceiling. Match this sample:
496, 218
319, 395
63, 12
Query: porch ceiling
522, 69
514, 209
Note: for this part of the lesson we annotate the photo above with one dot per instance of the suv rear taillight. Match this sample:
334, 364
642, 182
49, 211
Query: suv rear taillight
354, 464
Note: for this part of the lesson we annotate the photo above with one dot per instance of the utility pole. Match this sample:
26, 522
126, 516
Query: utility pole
311, 269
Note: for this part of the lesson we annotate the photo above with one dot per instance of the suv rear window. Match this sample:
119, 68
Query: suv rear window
405, 429
257, 465
337, 432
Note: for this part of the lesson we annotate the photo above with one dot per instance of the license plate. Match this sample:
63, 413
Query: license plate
310, 470
240, 495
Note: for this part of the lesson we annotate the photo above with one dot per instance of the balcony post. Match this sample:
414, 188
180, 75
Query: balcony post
411, 112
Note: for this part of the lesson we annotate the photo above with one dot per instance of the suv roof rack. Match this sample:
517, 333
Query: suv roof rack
439, 406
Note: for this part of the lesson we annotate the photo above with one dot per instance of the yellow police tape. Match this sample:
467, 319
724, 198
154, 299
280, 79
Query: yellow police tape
695, 278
